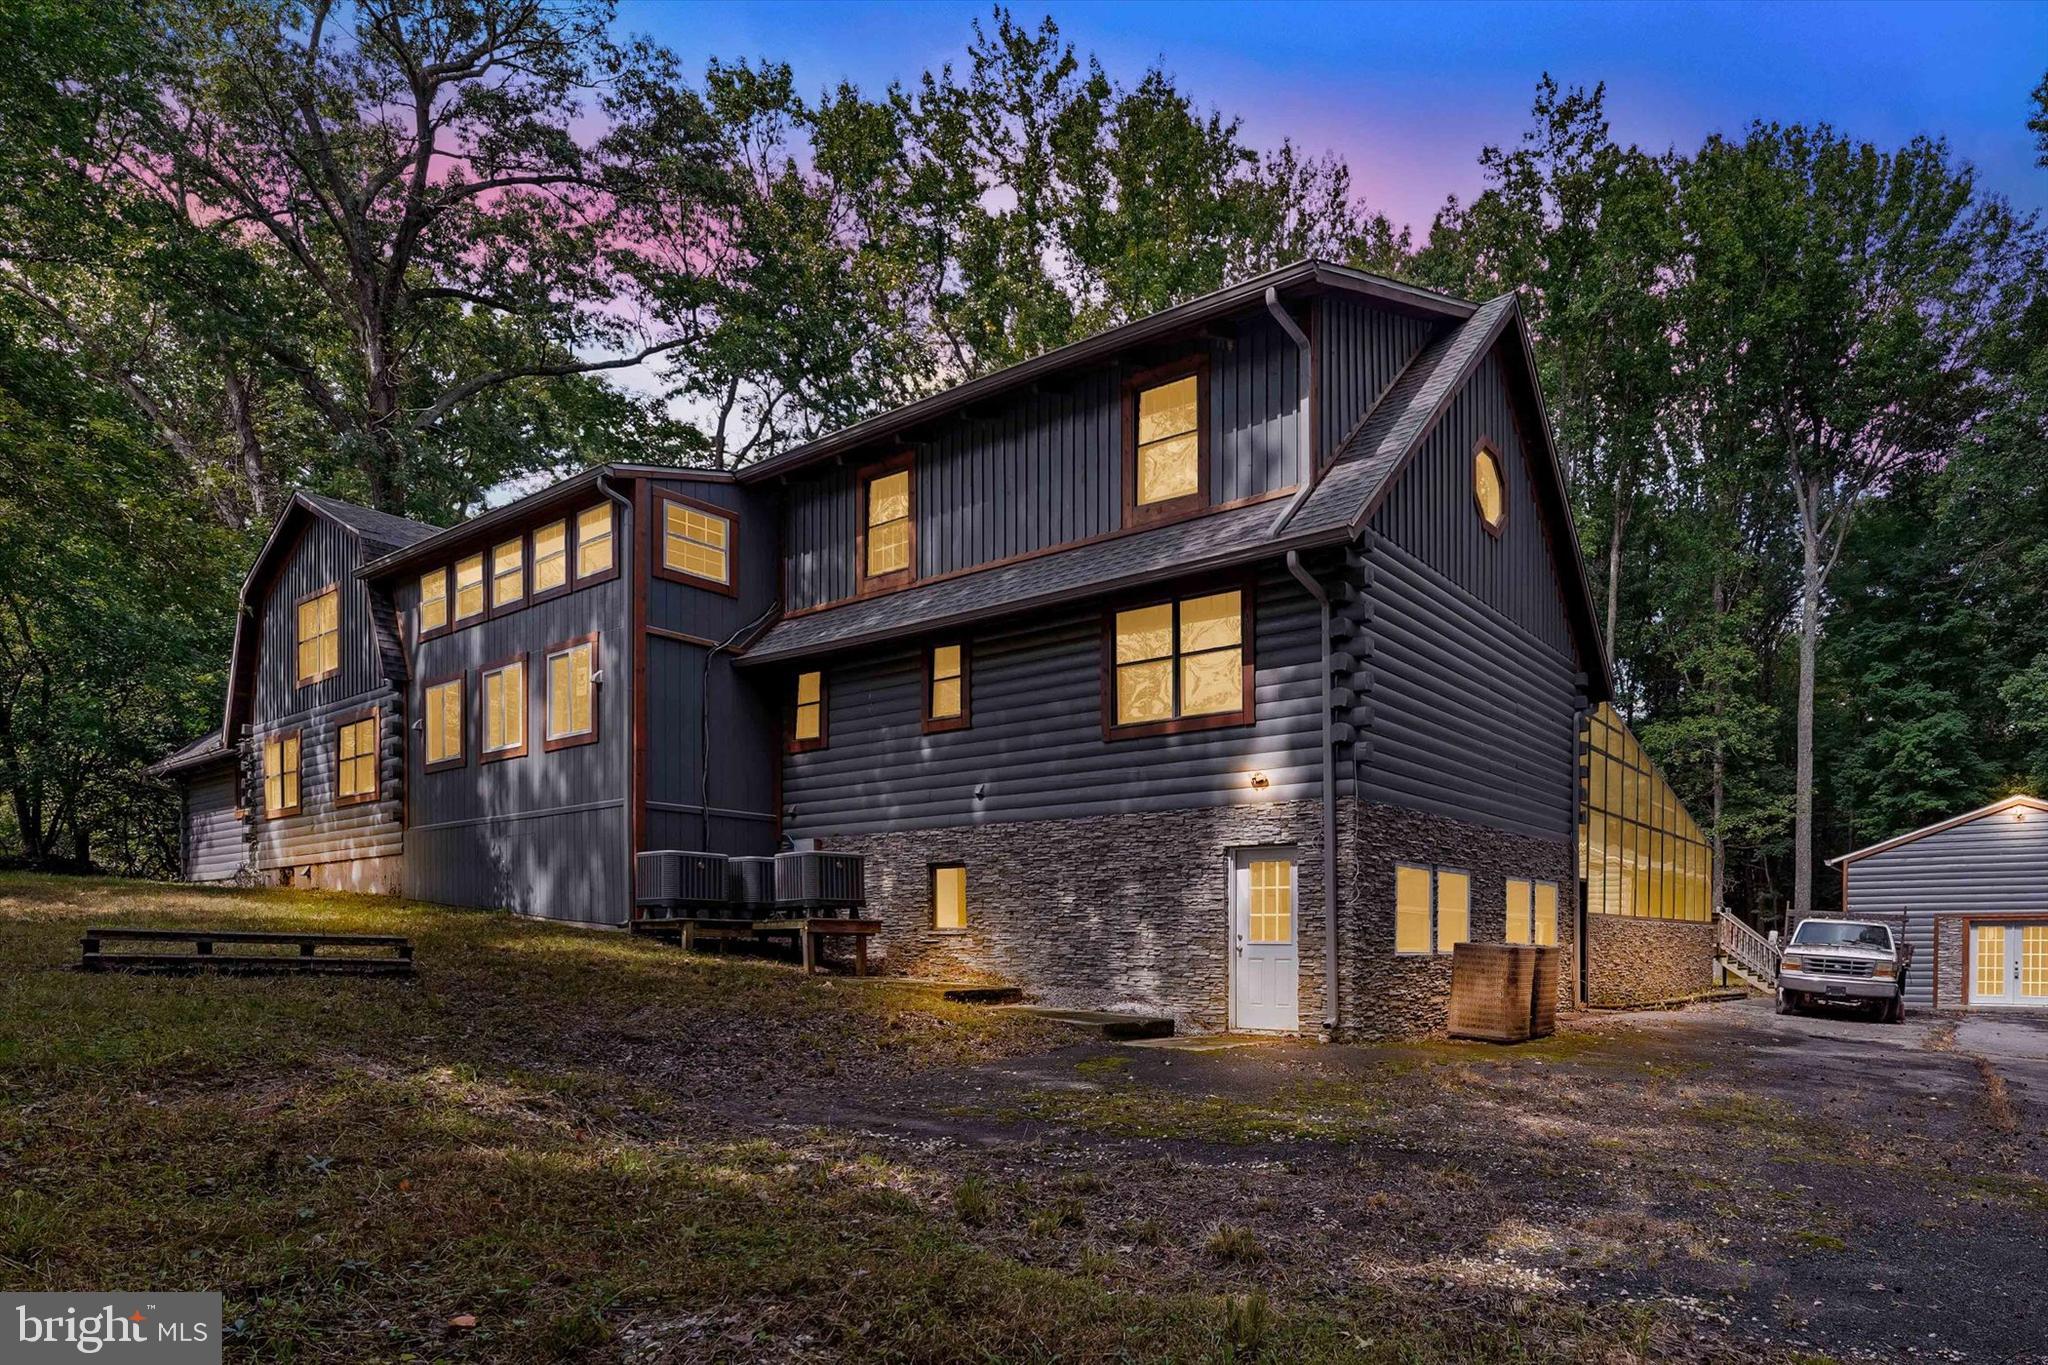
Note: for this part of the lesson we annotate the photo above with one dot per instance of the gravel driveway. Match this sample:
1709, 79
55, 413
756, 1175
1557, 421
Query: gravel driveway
1779, 1188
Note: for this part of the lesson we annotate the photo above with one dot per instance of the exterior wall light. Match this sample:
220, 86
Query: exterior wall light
1260, 782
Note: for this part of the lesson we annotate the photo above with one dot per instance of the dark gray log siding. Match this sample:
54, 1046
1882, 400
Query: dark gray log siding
1430, 513
321, 833
1993, 865
540, 834
1363, 349
1464, 714
1036, 743
325, 554
216, 847
744, 730
1047, 469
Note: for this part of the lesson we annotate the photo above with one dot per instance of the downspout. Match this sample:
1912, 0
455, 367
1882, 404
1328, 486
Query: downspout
627, 814
1305, 463
1315, 590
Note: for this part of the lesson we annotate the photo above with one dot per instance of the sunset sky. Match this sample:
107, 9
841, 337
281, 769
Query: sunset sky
1408, 94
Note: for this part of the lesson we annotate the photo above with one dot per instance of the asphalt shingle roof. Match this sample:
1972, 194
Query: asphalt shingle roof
378, 528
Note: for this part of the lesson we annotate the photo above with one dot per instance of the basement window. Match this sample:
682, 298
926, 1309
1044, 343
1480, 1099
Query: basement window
949, 896
1431, 899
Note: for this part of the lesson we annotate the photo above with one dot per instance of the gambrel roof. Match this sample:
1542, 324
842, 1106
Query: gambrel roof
1333, 511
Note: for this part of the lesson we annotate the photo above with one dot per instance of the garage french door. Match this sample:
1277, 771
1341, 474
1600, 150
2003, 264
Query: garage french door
2009, 964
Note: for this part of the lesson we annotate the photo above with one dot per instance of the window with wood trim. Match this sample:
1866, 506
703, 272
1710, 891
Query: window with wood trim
1165, 441
1489, 488
1453, 908
807, 712
550, 558
949, 896
572, 693
469, 588
594, 541
888, 524
1411, 909
696, 542
433, 601
355, 761
508, 573
444, 723
319, 636
281, 773
945, 690
1181, 663
503, 697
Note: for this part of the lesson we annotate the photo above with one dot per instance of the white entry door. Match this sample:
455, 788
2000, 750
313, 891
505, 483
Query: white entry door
2009, 965
1265, 966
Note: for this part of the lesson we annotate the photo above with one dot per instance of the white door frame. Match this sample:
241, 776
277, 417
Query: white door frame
2012, 932
1237, 865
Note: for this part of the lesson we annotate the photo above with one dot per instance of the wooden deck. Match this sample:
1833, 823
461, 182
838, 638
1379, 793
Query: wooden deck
808, 932
396, 960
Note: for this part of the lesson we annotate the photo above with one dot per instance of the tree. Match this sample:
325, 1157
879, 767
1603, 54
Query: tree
1852, 284
387, 210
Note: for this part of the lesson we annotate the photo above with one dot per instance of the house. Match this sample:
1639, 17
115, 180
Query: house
1970, 894
1235, 663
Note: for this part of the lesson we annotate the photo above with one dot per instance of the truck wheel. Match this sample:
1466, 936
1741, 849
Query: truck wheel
1895, 1010
1786, 1003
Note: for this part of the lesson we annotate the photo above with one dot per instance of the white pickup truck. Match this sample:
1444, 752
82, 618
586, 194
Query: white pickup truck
1846, 961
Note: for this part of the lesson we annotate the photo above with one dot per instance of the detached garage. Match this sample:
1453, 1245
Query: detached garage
1971, 896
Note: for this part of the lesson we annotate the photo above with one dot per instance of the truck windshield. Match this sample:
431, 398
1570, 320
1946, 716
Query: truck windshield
1823, 934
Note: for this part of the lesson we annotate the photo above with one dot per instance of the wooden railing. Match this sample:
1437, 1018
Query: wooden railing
1743, 946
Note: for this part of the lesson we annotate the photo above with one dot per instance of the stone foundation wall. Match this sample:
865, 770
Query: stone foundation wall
1385, 994
1126, 912
1951, 962
1633, 961
372, 876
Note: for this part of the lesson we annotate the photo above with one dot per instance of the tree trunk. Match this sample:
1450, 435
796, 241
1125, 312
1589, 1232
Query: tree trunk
1617, 530
1809, 637
1717, 874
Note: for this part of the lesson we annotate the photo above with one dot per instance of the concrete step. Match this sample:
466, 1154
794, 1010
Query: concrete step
984, 995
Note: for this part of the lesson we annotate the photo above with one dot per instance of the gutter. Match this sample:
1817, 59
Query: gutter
628, 812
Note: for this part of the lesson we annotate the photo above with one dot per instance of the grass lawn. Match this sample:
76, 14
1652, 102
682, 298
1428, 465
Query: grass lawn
562, 1143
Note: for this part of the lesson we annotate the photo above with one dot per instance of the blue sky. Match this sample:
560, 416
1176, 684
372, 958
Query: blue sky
1409, 93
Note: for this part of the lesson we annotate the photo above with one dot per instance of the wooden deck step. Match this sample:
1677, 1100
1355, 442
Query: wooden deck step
984, 995
394, 960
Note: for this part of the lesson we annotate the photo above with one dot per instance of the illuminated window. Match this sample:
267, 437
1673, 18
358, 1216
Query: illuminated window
888, 524
355, 775
594, 541
807, 726
946, 695
508, 573
1990, 982
320, 636
1641, 853
1270, 916
1489, 488
433, 600
504, 703
571, 714
1453, 909
281, 773
949, 896
696, 542
1168, 448
1546, 914
444, 722
1181, 659
1411, 909
469, 588
550, 557
1520, 906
